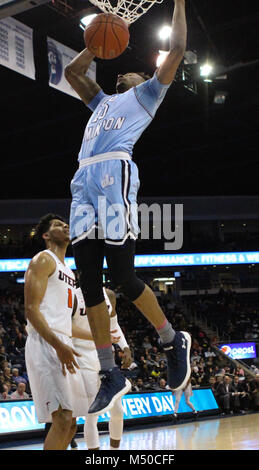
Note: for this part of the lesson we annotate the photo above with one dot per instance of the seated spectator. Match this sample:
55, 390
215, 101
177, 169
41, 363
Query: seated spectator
3, 354
151, 384
20, 341
162, 385
149, 361
209, 353
195, 356
254, 390
5, 395
20, 393
138, 385
155, 372
18, 378
224, 394
214, 386
2, 330
239, 395
146, 343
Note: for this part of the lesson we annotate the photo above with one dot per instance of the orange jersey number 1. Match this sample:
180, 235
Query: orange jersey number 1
70, 299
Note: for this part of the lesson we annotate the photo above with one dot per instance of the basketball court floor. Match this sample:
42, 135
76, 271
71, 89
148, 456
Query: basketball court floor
220, 433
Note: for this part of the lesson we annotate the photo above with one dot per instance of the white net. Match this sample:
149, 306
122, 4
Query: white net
129, 10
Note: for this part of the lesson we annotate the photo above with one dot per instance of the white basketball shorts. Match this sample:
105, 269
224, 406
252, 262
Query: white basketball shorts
50, 388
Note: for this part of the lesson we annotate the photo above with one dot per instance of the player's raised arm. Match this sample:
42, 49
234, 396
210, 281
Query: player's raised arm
36, 280
167, 70
75, 72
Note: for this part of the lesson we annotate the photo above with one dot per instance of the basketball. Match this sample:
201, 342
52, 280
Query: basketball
107, 36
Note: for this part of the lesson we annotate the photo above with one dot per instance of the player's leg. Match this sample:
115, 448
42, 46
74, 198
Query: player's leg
89, 256
89, 260
178, 396
91, 384
120, 260
59, 435
116, 425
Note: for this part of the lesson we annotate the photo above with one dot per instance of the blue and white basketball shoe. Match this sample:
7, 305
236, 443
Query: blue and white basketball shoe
113, 386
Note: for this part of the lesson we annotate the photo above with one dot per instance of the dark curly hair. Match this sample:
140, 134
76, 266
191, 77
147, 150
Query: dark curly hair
43, 226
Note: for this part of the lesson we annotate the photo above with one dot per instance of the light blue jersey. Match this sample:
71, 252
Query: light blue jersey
119, 120
104, 188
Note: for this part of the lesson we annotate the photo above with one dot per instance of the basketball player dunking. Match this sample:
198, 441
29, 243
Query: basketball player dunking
106, 182
50, 288
90, 367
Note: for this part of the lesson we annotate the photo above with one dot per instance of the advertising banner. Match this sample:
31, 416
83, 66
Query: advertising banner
21, 415
156, 261
239, 350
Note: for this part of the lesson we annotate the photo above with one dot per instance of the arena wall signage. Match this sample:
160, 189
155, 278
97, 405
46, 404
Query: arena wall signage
157, 260
239, 350
20, 416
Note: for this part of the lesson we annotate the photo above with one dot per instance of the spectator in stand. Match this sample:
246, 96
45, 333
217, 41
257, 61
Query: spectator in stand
214, 386
240, 372
5, 395
239, 396
138, 386
18, 378
209, 353
224, 394
20, 393
195, 356
162, 368
254, 390
146, 343
20, 341
162, 385
150, 361
7, 374
3, 354
2, 330
153, 352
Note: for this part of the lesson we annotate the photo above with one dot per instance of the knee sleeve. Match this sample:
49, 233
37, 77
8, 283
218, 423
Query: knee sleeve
130, 285
91, 433
116, 421
120, 262
92, 291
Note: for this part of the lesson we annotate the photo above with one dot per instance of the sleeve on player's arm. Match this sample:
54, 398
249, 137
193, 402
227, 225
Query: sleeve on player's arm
96, 100
151, 93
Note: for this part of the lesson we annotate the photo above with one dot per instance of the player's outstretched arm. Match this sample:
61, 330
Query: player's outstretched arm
36, 280
167, 70
75, 72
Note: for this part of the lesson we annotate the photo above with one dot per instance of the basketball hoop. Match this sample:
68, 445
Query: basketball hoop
128, 10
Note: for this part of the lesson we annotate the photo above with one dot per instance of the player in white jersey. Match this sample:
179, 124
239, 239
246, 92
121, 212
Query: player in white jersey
51, 363
104, 196
90, 367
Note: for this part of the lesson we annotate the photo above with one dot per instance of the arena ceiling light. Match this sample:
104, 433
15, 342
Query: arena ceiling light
205, 71
86, 20
165, 32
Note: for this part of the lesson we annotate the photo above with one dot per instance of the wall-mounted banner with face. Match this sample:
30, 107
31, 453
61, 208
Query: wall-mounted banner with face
58, 57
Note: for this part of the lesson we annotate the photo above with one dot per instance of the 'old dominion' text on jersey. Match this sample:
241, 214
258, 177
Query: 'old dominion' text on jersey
119, 120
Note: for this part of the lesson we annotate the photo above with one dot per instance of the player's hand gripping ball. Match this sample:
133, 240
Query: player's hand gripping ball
106, 36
